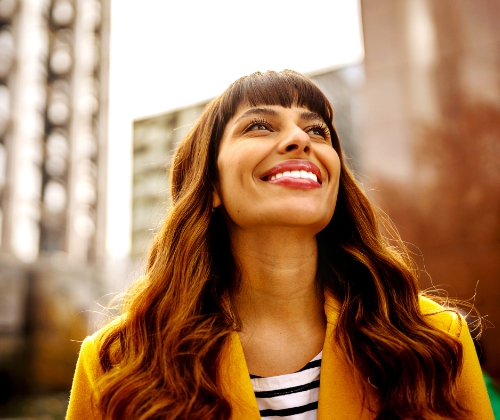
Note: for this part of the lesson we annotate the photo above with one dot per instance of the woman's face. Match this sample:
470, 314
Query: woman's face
277, 167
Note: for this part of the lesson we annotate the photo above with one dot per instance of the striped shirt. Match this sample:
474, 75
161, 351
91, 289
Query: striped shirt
289, 397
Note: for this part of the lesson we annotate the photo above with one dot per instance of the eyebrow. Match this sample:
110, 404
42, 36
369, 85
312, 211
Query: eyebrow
308, 115
258, 111
305, 115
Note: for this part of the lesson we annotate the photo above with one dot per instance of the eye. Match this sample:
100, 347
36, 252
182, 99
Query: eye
258, 125
319, 130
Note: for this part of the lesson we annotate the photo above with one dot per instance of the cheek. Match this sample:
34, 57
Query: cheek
229, 178
333, 169
331, 162
236, 165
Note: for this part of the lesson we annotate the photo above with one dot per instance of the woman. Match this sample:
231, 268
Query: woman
270, 290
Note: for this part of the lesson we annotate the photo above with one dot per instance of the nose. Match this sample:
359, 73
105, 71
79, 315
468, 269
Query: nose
295, 140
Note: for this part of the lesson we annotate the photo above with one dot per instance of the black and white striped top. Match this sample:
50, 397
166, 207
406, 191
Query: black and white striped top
289, 397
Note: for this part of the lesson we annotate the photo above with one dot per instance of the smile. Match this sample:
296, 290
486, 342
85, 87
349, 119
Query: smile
295, 174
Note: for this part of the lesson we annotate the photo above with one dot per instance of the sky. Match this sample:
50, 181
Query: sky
170, 54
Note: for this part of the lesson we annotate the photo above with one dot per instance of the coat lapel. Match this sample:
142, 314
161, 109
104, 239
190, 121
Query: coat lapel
235, 380
341, 388
340, 392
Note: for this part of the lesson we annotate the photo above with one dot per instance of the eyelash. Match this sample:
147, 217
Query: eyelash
257, 121
322, 127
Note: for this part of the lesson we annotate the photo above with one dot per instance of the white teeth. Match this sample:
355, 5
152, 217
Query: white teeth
295, 174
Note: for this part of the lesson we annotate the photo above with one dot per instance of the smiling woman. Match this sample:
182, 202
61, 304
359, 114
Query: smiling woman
270, 291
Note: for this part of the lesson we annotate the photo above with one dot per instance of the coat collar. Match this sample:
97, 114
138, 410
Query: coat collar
340, 392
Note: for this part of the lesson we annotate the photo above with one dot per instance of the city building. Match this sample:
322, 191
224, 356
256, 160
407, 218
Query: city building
53, 97
53, 133
430, 144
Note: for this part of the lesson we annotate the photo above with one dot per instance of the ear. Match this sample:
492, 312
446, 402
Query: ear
216, 201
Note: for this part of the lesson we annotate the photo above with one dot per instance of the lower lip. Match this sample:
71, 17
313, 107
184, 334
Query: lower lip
296, 183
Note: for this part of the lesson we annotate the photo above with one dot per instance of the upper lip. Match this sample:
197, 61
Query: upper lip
294, 165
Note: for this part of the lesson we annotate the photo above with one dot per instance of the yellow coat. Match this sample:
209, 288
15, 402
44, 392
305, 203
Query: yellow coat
340, 395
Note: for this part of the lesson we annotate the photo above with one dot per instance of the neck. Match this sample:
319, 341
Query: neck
279, 301
278, 277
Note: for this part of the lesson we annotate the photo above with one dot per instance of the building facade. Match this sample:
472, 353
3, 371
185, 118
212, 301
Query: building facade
53, 133
53, 96
431, 143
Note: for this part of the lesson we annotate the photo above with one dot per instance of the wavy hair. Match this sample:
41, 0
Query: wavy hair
160, 358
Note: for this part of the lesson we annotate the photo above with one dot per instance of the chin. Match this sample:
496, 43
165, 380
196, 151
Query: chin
305, 216
310, 222
283, 215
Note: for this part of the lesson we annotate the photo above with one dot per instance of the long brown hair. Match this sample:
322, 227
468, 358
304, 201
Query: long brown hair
161, 357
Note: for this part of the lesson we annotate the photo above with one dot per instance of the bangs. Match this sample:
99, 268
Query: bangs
286, 88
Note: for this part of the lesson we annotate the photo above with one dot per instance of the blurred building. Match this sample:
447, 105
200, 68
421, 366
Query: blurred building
53, 127
156, 138
53, 97
430, 145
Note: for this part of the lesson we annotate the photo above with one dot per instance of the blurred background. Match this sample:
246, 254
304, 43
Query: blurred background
95, 95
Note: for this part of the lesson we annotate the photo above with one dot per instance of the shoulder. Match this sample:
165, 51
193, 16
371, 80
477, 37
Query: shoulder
87, 374
89, 352
471, 390
88, 360
109, 327
444, 318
